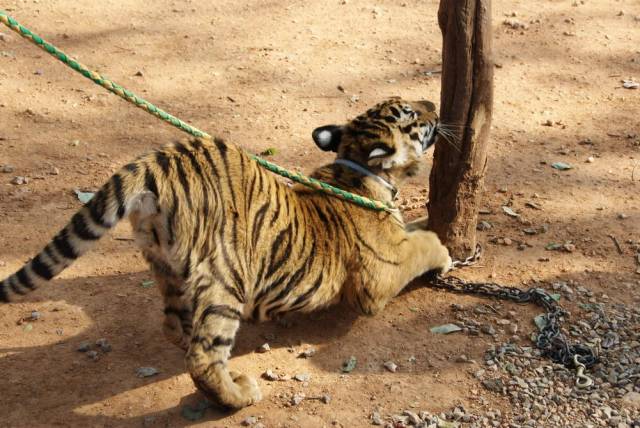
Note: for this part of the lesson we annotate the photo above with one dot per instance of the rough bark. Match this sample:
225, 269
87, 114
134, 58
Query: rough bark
466, 101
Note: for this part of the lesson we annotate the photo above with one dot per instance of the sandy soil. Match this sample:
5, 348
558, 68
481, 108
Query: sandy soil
264, 74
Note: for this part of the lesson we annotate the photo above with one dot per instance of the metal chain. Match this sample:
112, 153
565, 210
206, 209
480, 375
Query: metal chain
551, 341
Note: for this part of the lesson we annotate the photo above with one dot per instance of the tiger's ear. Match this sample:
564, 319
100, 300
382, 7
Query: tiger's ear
328, 137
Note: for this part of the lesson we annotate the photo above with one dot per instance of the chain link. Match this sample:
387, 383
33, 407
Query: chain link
550, 340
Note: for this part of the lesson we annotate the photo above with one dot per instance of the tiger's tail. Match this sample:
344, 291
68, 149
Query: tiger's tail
107, 207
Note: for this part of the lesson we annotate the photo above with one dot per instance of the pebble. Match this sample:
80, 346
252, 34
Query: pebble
391, 366
307, 353
248, 421
7, 169
93, 355
376, 419
19, 180
632, 399
488, 329
302, 377
84, 347
297, 398
263, 348
104, 345
484, 225
270, 375
145, 371
35, 315
494, 385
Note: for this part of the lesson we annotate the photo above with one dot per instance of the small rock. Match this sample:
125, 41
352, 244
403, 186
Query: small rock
146, 371
84, 347
93, 355
515, 24
326, 399
35, 315
104, 345
7, 169
622, 216
484, 225
632, 399
307, 353
413, 418
54, 171
488, 329
248, 421
508, 241
263, 348
270, 375
590, 159
302, 377
391, 366
494, 385
5, 37
297, 398
19, 180
376, 419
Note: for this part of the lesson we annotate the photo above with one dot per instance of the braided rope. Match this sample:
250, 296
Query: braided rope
152, 109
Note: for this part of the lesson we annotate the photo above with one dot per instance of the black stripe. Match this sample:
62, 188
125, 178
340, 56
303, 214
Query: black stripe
150, 182
81, 228
208, 345
223, 311
278, 254
368, 294
302, 300
220, 279
24, 279
172, 218
214, 169
395, 111
64, 247
40, 268
14, 286
257, 223
182, 176
236, 276
4, 296
390, 119
180, 313
163, 161
49, 252
156, 239
119, 193
363, 133
97, 206
222, 147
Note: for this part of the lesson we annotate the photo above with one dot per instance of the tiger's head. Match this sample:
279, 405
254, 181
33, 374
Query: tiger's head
390, 137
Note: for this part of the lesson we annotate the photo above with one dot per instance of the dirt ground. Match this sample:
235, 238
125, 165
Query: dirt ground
263, 74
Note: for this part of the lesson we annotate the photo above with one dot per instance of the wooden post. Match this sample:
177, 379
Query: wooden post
466, 101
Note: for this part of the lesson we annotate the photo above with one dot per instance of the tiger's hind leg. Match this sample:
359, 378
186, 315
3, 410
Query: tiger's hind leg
177, 323
217, 315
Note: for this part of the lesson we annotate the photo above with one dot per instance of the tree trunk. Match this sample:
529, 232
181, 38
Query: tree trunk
466, 100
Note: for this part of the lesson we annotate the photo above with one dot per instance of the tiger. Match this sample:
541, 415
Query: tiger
227, 241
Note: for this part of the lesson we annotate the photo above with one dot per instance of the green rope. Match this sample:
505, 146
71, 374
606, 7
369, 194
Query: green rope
150, 108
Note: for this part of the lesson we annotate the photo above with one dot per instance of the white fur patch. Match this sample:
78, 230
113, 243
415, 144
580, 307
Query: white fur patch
400, 157
324, 137
377, 152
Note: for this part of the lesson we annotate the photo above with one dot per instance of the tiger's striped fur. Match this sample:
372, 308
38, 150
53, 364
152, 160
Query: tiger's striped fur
227, 241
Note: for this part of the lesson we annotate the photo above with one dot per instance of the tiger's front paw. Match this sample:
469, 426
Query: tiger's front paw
447, 266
